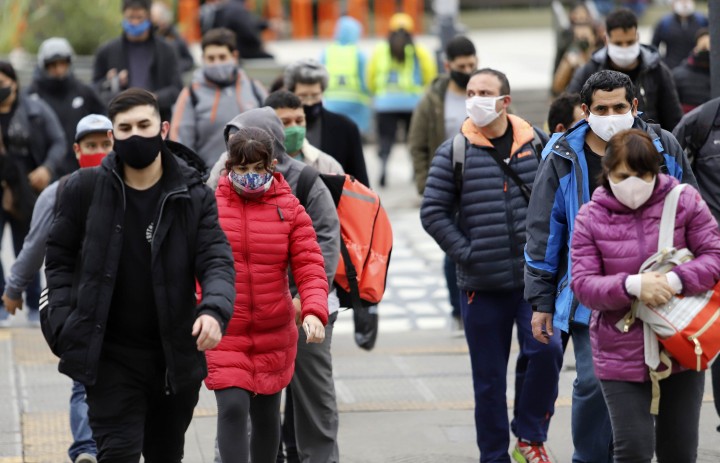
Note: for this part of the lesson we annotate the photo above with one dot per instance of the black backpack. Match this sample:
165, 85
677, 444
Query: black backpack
52, 321
702, 127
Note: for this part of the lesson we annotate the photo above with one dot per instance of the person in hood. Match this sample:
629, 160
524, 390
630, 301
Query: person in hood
92, 143
55, 83
234, 15
398, 74
437, 117
655, 87
347, 91
138, 58
692, 77
135, 333
334, 133
676, 32
269, 231
567, 178
220, 91
614, 234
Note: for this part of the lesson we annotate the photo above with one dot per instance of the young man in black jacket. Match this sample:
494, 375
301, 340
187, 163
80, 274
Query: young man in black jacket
123, 256
138, 58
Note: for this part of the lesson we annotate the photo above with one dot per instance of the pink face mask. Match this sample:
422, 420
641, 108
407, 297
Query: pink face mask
633, 192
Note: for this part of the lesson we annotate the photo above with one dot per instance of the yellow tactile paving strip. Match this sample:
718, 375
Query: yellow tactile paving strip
46, 437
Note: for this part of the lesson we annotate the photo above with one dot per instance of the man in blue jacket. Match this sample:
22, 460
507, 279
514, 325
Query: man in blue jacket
477, 216
566, 179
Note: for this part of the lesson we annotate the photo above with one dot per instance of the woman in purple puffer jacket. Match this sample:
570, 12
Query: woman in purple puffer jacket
614, 234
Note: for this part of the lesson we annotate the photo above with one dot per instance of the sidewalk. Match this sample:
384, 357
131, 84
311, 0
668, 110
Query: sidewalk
409, 400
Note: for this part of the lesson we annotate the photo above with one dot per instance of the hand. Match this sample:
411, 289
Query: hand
40, 178
123, 78
314, 329
542, 326
655, 289
11, 305
298, 311
208, 333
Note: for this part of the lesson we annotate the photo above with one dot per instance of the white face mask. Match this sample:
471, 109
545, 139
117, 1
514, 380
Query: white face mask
624, 57
633, 191
684, 8
481, 109
607, 126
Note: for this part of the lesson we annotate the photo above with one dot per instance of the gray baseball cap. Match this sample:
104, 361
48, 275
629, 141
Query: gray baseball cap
92, 123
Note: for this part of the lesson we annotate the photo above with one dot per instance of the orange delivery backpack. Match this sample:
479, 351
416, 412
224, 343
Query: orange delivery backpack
365, 248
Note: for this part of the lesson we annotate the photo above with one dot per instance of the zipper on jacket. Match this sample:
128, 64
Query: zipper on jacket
167, 350
251, 305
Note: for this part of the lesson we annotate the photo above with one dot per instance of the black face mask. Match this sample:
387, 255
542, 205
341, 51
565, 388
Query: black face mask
137, 151
461, 79
312, 112
583, 44
702, 58
5, 93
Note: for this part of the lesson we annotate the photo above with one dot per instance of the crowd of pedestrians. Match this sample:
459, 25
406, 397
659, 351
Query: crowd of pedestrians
180, 246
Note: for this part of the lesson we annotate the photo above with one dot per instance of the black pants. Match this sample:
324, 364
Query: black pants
234, 407
131, 414
672, 435
387, 125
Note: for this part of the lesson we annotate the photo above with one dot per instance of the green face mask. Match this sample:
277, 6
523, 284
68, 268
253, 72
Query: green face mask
294, 138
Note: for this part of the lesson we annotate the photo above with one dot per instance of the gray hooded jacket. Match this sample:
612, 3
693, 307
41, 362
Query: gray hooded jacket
320, 205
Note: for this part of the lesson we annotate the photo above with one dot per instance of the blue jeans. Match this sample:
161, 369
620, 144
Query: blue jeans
451, 280
79, 424
591, 429
489, 318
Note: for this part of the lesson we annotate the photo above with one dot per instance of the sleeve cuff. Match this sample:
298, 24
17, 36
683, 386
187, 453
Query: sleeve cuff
13, 293
633, 285
674, 282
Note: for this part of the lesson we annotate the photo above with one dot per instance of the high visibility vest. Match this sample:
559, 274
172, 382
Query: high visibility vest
393, 77
343, 65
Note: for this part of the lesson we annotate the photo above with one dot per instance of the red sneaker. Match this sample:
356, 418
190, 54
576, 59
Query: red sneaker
530, 452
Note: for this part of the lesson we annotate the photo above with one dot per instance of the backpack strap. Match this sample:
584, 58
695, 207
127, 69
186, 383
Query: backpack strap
458, 159
538, 143
305, 182
667, 220
524, 189
256, 92
657, 128
193, 95
352, 275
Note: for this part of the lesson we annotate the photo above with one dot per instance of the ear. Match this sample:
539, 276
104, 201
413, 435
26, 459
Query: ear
635, 107
559, 128
446, 66
164, 129
110, 136
76, 148
585, 110
506, 101
236, 55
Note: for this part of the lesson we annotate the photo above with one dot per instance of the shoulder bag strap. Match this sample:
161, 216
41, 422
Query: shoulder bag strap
524, 189
667, 221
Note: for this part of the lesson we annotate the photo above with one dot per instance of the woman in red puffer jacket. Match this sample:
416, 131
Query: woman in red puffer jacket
268, 230
614, 234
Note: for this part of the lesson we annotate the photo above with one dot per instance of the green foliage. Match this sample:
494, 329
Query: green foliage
85, 23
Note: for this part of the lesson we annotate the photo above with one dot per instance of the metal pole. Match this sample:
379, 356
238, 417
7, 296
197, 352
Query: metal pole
714, 17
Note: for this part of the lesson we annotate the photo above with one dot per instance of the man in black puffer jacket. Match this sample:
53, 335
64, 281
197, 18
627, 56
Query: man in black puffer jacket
477, 216
123, 257
653, 80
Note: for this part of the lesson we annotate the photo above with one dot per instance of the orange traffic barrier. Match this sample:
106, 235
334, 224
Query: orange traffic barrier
188, 19
415, 9
272, 10
358, 9
302, 19
383, 11
328, 15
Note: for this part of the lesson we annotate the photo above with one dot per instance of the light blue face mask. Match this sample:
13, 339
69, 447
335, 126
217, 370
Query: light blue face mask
136, 30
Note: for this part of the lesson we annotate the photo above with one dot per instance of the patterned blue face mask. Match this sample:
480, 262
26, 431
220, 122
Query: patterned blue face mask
251, 184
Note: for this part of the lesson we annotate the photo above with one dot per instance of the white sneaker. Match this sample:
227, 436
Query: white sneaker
86, 458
